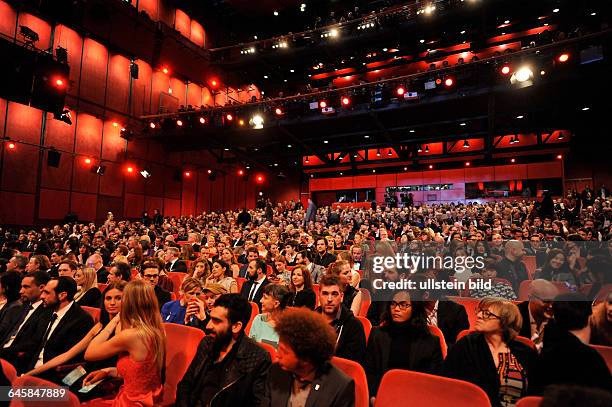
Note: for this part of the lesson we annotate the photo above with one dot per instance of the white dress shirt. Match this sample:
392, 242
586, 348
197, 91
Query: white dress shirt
34, 307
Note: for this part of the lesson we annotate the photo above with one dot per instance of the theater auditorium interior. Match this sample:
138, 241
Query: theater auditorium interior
309, 203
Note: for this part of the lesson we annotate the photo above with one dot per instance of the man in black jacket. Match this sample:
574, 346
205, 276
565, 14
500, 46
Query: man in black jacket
252, 289
537, 313
511, 267
449, 316
150, 273
172, 260
323, 258
570, 360
351, 341
229, 369
65, 327
304, 375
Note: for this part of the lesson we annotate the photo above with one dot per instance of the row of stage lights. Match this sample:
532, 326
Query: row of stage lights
517, 75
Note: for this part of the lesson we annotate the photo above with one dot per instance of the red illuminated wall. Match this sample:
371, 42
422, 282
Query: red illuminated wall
457, 177
99, 98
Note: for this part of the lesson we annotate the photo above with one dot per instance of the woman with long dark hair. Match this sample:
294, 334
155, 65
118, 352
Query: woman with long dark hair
402, 341
556, 268
302, 294
221, 273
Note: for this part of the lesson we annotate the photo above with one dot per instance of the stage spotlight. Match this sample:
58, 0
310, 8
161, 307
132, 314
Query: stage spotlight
241, 122
187, 174
278, 111
466, 144
179, 122
430, 166
257, 121
152, 125
165, 70
563, 57
145, 173
523, 74
559, 157
389, 153
240, 172
322, 104
419, 149
467, 163
202, 120
130, 170
87, 161
346, 101
505, 70
513, 160
427, 148
400, 91
260, 179
229, 117
59, 82
64, 116
378, 153
11, 146
448, 82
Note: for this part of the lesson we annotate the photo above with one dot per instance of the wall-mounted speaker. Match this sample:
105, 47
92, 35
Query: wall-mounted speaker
53, 158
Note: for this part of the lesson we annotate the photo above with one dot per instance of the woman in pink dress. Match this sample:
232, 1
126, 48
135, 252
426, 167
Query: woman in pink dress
139, 341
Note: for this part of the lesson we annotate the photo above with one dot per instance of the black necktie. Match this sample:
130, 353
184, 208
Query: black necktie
45, 337
20, 320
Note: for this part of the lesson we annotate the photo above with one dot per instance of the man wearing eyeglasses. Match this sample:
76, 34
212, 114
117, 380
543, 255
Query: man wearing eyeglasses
537, 312
351, 341
149, 272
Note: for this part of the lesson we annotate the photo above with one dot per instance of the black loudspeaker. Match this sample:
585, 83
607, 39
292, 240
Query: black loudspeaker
134, 70
53, 158
178, 176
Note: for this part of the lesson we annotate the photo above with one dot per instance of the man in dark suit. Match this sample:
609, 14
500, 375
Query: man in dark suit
19, 329
537, 313
304, 374
251, 254
252, 289
96, 261
194, 240
64, 328
511, 267
149, 272
449, 316
172, 260
323, 258
237, 240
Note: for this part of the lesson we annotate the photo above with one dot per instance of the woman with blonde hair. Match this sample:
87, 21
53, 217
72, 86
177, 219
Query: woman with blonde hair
491, 357
88, 293
139, 340
174, 311
187, 252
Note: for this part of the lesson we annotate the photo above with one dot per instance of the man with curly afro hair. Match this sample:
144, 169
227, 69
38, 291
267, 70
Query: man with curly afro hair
303, 374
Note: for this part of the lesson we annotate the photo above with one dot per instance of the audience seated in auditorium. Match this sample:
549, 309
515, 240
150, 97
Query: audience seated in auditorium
556, 268
322, 256
498, 289
172, 260
111, 305
537, 313
149, 272
119, 272
316, 271
228, 366
491, 357
511, 267
447, 315
402, 341
10, 285
66, 268
302, 294
273, 302
351, 296
17, 263
570, 360
601, 322
138, 338
303, 374
351, 341
96, 261
174, 311
571, 396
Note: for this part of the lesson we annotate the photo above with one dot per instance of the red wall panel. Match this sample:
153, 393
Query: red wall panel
194, 95
57, 178
93, 73
364, 181
88, 135
83, 180
59, 134
19, 169
84, 205
134, 204
510, 172
73, 43
7, 19
431, 177
179, 90
452, 176
118, 88
155, 187
480, 174
113, 146
410, 178
161, 84
552, 169
152, 203
203, 198
141, 89
134, 182
386, 180
172, 188
207, 98
188, 198
53, 204
341, 183
216, 199
198, 36
23, 123
172, 207
16, 208
455, 194
150, 7
111, 183
41, 27
182, 23
2, 116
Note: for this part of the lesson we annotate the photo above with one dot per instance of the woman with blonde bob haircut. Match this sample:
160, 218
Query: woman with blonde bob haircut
88, 293
139, 341
491, 357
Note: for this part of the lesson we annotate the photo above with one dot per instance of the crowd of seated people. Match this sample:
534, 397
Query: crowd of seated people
311, 285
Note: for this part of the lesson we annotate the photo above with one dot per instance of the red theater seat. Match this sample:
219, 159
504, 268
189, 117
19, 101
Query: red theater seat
437, 332
270, 349
367, 326
470, 305
606, 353
531, 401
181, 346
239, 282
356, 372
102, 286
254, 312
366, 300
404, 388
33, 381
177, 278
9, 370
94, 312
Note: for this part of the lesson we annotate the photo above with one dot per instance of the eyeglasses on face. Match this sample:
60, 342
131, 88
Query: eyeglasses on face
486, 314
403, 305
